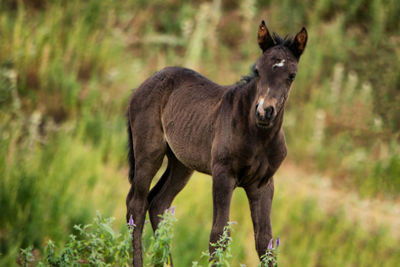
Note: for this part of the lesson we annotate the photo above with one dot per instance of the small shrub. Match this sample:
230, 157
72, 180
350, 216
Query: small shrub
95, 244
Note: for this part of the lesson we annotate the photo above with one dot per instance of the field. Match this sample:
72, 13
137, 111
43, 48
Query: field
67, 69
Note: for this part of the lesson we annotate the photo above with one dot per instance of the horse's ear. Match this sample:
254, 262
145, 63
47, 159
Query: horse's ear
265, 40
299, 43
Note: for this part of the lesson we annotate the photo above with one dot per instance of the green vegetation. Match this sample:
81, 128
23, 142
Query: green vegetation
160, 248
67, 69
95, 244
98, 244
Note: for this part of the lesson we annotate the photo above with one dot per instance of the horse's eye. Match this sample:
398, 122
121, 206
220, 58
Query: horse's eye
292, 76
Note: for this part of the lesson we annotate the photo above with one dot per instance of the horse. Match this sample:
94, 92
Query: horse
233, 133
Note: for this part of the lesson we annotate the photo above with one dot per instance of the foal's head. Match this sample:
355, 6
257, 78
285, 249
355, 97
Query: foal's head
275, 71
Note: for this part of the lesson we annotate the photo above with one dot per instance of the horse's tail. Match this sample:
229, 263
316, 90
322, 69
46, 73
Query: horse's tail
131, 155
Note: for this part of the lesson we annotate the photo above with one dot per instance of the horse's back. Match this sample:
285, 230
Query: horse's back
180, 105
182, 82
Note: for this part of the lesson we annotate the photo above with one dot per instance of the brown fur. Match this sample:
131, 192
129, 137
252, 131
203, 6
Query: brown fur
200, 125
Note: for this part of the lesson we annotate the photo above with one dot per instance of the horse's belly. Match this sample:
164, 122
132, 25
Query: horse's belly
189, 138
192, 154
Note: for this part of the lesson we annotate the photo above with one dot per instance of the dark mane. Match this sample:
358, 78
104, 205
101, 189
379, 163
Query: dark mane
247, 78
285, 41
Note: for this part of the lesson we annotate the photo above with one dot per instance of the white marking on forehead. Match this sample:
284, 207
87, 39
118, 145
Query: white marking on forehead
280, 64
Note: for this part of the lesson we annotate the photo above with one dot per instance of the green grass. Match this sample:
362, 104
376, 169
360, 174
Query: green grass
308, 235
49, 184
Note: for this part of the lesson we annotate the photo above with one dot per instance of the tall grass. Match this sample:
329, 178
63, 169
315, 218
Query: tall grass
49, 185
57, 51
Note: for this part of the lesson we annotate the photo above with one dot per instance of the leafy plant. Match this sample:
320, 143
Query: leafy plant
96, 244
26, 257
270, 256
161, 241
222, 253
222, 247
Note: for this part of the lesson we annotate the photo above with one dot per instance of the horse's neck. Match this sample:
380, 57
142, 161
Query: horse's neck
244, 102
246, 94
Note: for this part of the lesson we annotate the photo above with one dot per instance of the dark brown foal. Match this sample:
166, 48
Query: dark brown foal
233, 133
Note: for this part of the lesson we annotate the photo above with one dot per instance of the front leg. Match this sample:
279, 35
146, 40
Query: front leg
276, 154
260, 200
223, 186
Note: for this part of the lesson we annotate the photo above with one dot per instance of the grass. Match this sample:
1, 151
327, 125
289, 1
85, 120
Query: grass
67, 70
308, 234
41, 178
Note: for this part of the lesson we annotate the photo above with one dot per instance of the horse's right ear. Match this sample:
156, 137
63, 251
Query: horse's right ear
299, 43
265, 40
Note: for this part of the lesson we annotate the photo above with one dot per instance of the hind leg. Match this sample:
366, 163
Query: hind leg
148, 159
138, 205
171, 183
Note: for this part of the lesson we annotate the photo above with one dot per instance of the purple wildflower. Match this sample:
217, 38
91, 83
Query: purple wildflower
131, 223
270, 244
172, 210
278, 242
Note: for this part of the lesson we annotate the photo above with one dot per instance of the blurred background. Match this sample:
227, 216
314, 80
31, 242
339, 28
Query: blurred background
67, 69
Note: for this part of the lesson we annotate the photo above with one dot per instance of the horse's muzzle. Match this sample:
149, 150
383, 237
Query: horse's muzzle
264, 116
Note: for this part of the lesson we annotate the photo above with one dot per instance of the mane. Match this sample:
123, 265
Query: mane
247, 78
282, 41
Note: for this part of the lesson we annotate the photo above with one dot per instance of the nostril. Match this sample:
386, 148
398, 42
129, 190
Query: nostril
269, 112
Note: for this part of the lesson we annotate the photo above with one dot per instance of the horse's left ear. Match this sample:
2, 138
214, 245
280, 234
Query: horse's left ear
299, 43
264, 39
